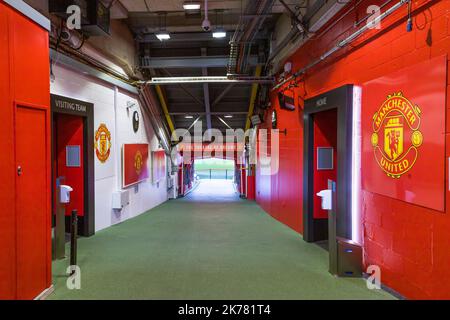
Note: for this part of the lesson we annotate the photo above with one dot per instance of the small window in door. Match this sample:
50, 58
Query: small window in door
73, 156
325, 158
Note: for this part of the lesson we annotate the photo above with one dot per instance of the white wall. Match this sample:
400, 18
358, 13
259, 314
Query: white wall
110, 107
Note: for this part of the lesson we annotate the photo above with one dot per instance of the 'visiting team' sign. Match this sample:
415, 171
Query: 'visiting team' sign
68, 105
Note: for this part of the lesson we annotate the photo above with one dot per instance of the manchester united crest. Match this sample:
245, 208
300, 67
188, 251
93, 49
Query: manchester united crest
138, 162
396, 137
102, 143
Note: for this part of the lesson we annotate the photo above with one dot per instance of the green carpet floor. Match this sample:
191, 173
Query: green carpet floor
208, 245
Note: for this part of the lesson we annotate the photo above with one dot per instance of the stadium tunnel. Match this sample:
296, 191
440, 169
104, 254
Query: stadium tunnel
328, 122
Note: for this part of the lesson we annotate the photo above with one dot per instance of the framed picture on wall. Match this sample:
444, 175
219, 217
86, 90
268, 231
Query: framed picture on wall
134, 163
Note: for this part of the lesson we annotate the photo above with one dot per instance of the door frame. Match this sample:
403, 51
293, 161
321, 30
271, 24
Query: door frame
341, 99
87, 227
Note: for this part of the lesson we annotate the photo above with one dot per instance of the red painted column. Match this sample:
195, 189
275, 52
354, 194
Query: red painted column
251, 187
243, 180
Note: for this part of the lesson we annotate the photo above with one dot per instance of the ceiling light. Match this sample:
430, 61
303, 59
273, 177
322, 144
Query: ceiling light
163, 36
191, 5
189, 117
228, 116
218, 34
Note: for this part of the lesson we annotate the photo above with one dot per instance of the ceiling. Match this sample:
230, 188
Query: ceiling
191, 51
177, 5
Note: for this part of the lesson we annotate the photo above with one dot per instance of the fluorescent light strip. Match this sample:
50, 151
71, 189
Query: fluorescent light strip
191, 6
208, 79
163, 36
356, 166
219, 34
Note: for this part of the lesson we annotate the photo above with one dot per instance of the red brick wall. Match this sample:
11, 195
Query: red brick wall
410, 243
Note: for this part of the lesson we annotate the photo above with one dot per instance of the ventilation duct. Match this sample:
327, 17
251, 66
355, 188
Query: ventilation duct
152, 116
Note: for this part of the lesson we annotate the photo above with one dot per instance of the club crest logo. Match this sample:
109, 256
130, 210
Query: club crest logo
138, 162
396, 137
102, 143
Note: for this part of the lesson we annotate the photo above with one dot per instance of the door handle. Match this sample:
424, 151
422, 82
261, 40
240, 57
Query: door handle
19, 171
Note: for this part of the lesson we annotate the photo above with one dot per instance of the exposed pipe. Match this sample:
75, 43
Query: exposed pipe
164, 107
253, 96
357, 23
343, 43
117, 160
292, 14
246, 31
153, 116
294, 32
78, 55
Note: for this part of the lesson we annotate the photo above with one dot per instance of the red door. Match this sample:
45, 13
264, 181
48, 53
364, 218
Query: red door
325, 136
70, 137
31, 201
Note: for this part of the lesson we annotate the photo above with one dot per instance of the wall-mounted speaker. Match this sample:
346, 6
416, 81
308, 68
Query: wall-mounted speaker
287, 102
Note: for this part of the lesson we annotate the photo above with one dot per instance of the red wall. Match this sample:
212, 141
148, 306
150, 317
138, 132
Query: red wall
24, 81
409, 243
7, 230
282, 194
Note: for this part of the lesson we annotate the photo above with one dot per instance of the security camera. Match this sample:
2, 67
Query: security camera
65, 34
206, 25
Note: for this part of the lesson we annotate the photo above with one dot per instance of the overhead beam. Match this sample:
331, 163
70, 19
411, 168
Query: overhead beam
190, 62
186, 90
222, 94
224, 122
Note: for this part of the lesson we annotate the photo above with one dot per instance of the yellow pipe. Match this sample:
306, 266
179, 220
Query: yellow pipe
162, 100
253, 97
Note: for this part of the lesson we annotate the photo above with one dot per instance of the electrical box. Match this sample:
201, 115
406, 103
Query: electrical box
349, 258
326, 196
95, 16
99, 19
64, 193
120, 199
